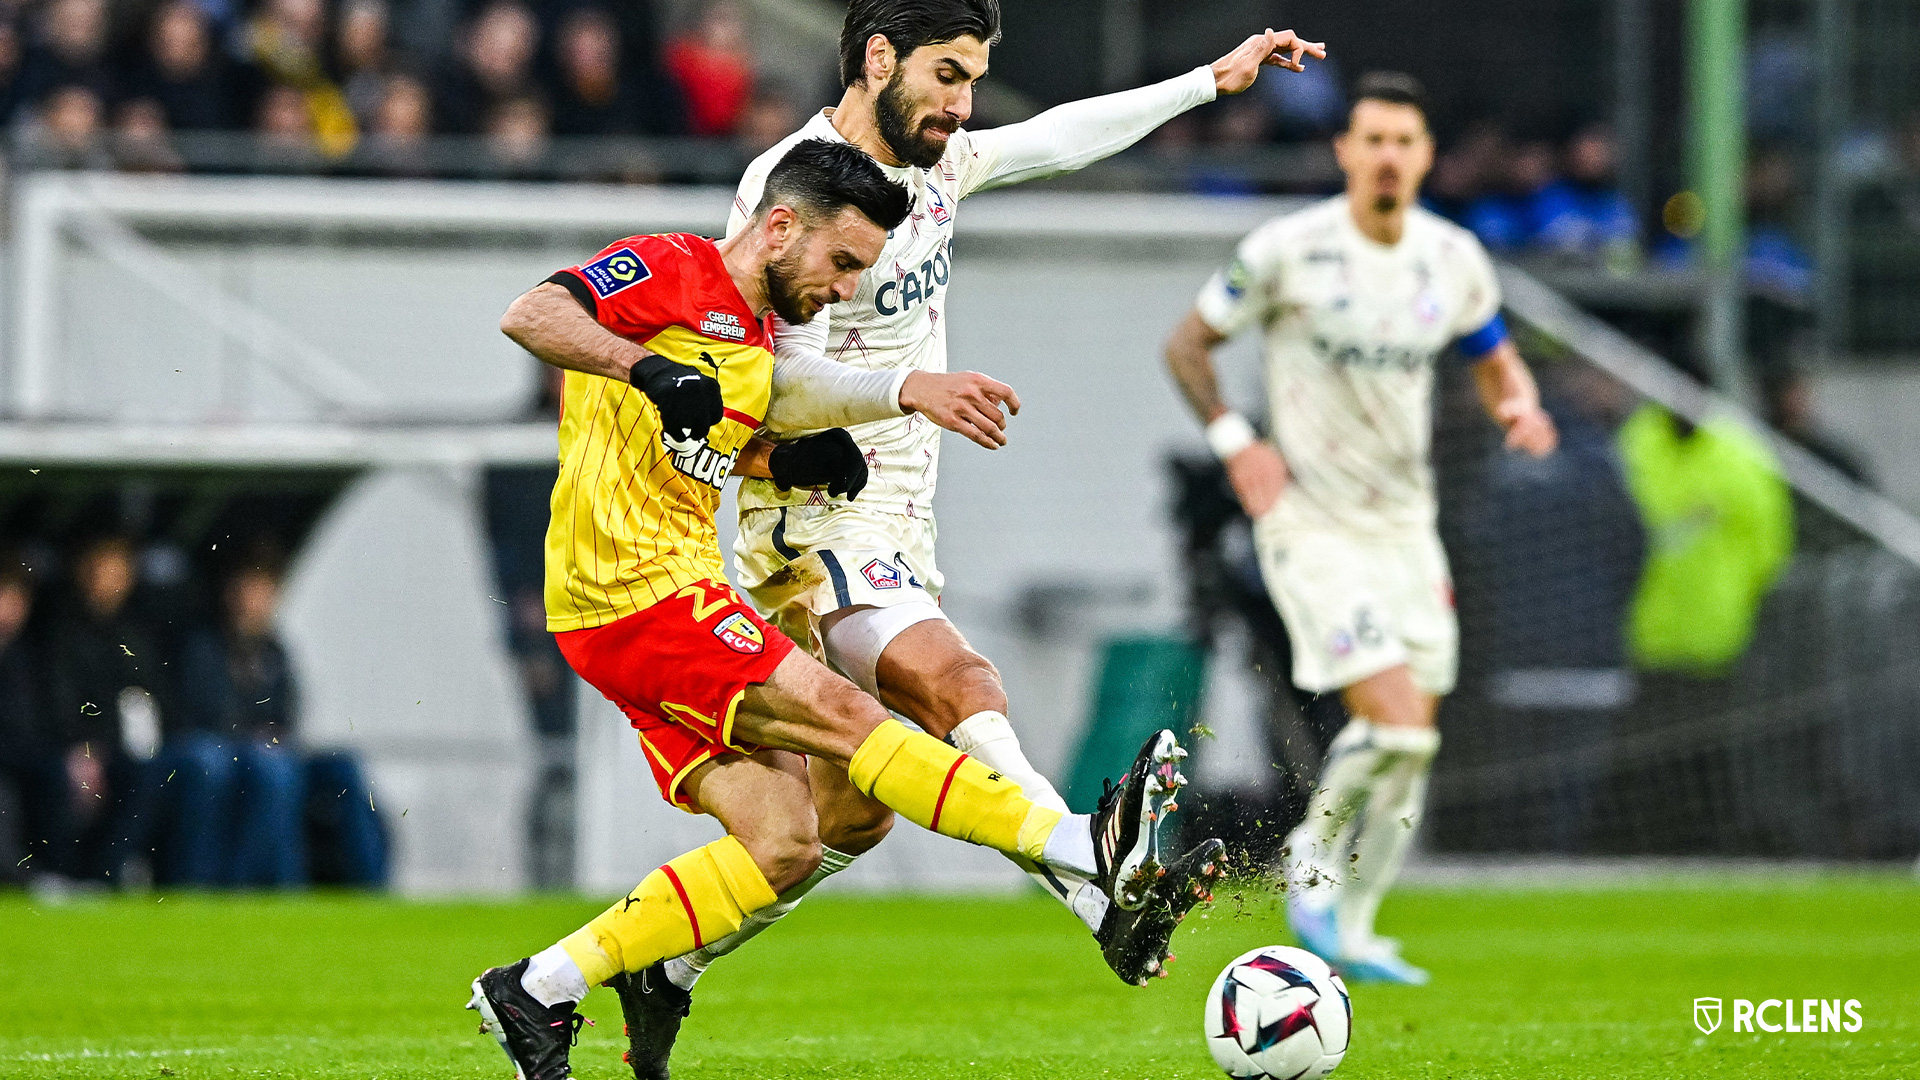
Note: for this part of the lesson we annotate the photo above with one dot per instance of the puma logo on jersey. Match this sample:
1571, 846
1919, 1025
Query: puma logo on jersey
913, 286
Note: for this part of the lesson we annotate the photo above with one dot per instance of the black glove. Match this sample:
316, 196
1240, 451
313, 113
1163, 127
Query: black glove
830, 459
688, 400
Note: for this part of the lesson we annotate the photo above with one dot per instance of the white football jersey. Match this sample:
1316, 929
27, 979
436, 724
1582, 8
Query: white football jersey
897, 318
1352, 331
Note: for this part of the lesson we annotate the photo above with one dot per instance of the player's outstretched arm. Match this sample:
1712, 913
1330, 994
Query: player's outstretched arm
1077, 134
1254, 466
811, 392
1512, 399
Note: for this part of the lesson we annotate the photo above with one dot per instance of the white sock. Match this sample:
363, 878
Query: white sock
552, 977
1070, 845
988, 738
684, 971
1386, 835
1317, 862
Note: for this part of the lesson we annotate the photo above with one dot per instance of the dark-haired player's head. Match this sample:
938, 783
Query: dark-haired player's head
826, 212
919, 59
1386, 150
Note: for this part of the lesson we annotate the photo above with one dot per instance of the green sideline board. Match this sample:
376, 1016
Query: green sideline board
1142, 683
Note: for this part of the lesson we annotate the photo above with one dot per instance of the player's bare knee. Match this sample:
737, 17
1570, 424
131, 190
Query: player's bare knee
785, 857
939, 697
858, 832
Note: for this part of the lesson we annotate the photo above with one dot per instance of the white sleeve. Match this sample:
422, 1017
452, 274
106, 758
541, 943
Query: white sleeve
1479, 289
813, 393
746, 197
1077, 134
1241, 295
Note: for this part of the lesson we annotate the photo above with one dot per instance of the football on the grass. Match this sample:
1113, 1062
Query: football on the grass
1278, 1013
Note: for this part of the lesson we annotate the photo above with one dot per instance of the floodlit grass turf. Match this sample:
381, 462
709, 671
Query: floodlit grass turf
1528, 983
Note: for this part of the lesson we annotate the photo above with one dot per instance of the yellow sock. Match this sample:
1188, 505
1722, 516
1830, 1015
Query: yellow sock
937, 787
699, 897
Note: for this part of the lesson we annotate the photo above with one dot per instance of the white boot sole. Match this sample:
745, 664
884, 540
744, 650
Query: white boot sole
1141, 866
490, 1025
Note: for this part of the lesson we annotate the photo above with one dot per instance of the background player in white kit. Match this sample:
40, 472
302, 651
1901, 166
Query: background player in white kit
857, 581
1357, 296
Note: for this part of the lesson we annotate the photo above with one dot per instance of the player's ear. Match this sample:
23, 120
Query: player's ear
781, 228
880, 59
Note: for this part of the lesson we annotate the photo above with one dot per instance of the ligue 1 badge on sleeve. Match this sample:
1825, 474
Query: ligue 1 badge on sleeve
619, 270
1706, 1015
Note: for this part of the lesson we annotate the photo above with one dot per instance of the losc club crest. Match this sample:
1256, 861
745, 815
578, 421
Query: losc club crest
881, 574
1706, 1015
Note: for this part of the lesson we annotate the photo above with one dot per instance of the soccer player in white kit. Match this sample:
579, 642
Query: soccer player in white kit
857, 581
1356, 298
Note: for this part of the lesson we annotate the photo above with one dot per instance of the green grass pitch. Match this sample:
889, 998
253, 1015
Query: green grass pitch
1597, 982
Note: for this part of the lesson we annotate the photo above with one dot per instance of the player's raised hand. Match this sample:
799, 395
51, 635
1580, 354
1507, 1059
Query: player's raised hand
688, 400
964, 402
1529, 428
1258, 475
1236, 71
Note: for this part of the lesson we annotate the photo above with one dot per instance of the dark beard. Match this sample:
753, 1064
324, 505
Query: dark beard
892, 113
1385, 204
787, 302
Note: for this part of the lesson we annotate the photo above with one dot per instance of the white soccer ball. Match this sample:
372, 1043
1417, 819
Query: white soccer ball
1278, 1013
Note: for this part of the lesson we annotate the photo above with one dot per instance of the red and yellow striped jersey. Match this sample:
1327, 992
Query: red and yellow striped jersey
632, 520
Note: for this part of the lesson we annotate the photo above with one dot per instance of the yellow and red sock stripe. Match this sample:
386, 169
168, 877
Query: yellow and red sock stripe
692, 919
945, 786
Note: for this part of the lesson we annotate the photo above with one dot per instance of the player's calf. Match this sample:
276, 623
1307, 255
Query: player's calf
850, 823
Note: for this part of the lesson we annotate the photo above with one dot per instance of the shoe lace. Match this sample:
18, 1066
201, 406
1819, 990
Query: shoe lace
574, 1023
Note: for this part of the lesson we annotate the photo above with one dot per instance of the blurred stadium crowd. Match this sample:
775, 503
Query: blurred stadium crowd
351, 85
149, 733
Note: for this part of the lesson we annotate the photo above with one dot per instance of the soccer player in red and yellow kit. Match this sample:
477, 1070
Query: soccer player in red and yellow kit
669, 372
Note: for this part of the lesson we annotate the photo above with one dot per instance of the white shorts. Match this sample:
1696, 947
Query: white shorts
1356, 605
797, 563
